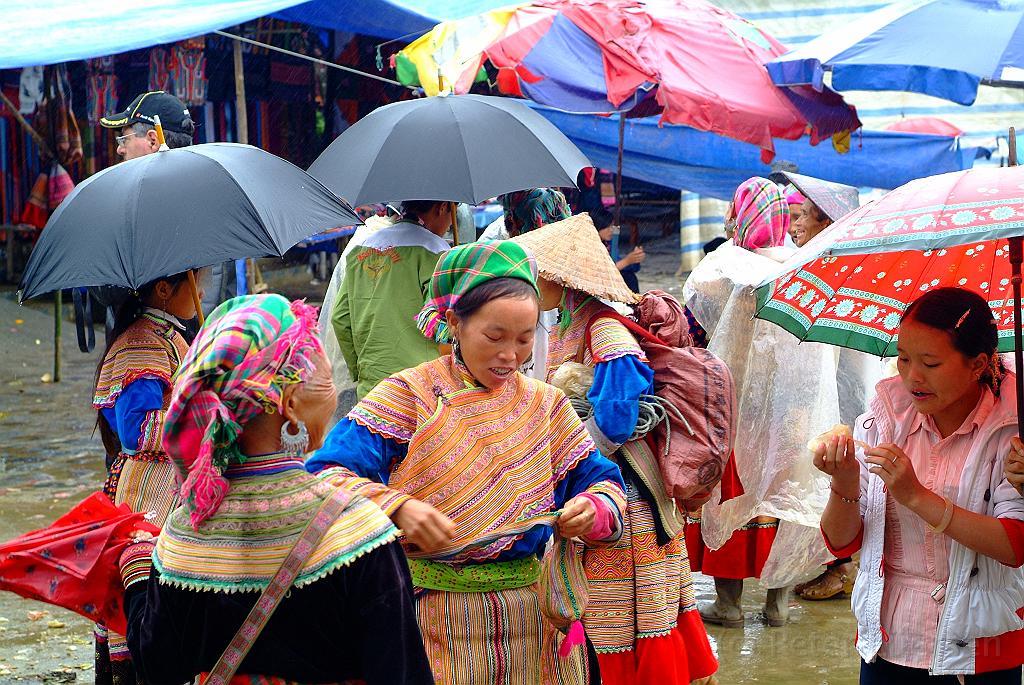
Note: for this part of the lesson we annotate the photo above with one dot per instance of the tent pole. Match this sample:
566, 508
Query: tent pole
618, 171
1016, 257
242, 136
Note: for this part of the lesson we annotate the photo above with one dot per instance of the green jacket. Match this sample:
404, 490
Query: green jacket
374, 317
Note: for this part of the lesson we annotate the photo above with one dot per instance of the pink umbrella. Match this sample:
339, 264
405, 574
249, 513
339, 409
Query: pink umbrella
931, 125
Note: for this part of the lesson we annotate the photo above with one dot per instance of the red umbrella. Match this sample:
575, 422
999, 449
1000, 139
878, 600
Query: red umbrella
851, 284
930, 125
698, 64
73, 562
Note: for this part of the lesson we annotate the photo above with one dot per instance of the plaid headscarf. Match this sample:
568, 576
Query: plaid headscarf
465, 267
248, 351
526, 210
762, 215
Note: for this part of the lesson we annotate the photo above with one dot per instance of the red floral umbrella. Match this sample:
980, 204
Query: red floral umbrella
851, 284
73, 562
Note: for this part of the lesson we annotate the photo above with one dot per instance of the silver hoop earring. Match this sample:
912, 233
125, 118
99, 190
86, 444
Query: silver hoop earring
297, 443
456, 352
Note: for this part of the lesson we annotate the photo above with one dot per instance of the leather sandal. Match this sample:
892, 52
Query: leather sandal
835, 582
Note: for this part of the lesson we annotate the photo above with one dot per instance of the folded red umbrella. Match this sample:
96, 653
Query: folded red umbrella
73, 562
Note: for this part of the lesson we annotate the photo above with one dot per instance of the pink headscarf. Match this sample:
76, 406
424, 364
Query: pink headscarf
762, 215
794, 196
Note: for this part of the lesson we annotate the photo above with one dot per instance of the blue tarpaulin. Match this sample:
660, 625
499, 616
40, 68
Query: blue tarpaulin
52, 31
684, 158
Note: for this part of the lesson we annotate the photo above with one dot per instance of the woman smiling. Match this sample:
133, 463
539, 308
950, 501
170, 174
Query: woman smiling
941, 526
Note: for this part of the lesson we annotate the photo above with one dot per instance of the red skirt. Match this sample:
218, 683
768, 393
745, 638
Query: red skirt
679, 658
742, 556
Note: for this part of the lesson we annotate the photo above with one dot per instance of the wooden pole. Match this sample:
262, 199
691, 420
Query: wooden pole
618, 170
455, 221
1016, 258
241, 115
58, 306
43, 147
195, 296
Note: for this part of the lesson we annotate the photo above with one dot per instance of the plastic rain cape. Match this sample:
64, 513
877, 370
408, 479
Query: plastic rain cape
787, 394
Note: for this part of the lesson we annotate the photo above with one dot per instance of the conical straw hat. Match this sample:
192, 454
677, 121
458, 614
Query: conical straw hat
570, 252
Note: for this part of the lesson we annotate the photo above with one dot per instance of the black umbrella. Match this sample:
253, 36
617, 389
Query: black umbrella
176, 210
462, 148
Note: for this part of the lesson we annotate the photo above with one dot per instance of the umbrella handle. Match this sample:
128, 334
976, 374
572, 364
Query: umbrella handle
195, 296
159, 132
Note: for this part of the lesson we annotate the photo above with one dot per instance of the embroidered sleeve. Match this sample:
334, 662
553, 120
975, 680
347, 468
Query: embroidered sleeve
570, 442
609, 339
389, 410
139, 415
384, 497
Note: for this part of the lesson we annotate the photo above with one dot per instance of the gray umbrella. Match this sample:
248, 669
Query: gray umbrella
462, 148
175, 210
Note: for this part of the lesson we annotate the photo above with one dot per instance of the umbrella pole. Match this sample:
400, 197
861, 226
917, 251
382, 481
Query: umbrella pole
1016, 257
618, 171
455, 221
195, 296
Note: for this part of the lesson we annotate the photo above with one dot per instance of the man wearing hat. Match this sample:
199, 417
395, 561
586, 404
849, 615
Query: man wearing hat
138, 124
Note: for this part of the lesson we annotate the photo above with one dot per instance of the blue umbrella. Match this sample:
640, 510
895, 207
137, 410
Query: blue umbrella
943, 48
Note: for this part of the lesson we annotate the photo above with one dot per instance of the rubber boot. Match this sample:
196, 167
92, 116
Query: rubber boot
725, 611
776, 606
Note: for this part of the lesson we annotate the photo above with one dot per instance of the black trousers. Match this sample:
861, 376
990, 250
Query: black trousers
882, 672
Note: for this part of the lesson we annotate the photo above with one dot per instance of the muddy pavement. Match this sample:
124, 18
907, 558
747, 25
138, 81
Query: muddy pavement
50, 459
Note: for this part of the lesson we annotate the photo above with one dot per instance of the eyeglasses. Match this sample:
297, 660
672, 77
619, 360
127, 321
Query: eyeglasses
123, 140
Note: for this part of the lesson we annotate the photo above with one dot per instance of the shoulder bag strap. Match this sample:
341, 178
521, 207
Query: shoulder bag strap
226, 667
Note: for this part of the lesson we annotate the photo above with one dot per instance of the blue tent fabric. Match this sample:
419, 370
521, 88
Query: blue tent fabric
53, 31
684, 158
943, 48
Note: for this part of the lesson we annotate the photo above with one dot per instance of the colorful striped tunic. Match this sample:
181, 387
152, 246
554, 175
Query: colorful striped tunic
487, 459
642, 614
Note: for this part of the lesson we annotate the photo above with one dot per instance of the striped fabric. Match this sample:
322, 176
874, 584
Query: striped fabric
609, 339
148, 485
463, 268
241, 546
149, 348
494, 637
637, 588
484, 458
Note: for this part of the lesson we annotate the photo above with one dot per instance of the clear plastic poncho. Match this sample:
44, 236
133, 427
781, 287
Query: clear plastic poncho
787, 394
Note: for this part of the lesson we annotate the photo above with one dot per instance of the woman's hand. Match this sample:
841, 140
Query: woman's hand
423, 525
1015, 465
577, 517
837, 457
893, 466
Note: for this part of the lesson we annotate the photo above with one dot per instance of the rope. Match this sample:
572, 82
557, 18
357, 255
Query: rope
653, 411
313, 59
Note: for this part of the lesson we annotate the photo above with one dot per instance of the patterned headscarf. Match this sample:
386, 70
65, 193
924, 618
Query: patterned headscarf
465, 267
248, 351
762, 215
793, 196
526, 210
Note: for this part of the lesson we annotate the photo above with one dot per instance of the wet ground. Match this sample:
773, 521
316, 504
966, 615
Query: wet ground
50, 459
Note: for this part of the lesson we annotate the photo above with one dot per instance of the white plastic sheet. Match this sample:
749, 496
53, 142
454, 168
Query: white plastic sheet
788, 394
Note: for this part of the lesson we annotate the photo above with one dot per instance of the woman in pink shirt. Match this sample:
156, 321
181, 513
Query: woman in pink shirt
920, 491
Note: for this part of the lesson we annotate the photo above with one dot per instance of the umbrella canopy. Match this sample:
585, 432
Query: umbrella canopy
698, 64
850, 285
175, 210
927, 125
943, 48
465, 148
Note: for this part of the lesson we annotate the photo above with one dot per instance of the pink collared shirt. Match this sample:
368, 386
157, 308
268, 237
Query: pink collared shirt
916, 561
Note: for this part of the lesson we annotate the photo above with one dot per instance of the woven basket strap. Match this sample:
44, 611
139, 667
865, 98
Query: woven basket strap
329, 512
